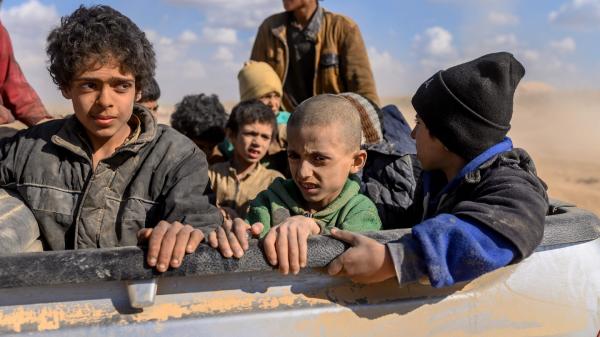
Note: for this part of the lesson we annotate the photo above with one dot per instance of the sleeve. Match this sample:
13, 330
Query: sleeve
355, 67
185, 200
259, 49
455, 250
17, 95
259, 212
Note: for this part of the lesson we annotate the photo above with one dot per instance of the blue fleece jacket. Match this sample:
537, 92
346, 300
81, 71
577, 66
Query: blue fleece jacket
456, 249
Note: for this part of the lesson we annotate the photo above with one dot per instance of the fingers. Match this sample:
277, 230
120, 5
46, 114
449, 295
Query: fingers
348, 237
194, 241
234, 244
256, 229
281, 245
212, 239
240, 229
269, 246
181, 243
336, 266
303, 248
144, 234
155, 241
293, 251
223, 243
169, 238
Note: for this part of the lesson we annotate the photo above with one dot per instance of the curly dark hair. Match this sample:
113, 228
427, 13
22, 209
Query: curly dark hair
200, 117
98, 34
249, 112
150, 92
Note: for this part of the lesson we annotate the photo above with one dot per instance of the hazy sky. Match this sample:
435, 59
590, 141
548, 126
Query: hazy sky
201, 44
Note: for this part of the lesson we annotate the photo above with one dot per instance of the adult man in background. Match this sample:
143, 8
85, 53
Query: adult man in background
314, 51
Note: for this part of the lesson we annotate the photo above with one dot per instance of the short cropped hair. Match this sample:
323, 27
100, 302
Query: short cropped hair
252, 111
200, 117
98, 34
150, 92
329, 110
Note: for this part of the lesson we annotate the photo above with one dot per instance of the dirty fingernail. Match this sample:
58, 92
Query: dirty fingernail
161, 267
152, 260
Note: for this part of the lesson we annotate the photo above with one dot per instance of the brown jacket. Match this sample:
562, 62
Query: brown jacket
237, 193
341, 60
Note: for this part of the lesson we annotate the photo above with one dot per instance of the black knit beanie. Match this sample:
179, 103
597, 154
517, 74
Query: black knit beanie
469, 107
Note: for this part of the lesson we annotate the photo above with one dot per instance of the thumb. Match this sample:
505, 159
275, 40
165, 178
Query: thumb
144, 234
348, 237
256, 229
335, 266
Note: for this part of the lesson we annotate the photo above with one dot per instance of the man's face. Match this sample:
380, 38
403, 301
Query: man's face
252, 142
320, 163
292, 5
103, 98
430, 151
272, 100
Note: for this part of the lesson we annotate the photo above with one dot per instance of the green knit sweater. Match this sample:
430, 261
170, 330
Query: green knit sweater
350, 210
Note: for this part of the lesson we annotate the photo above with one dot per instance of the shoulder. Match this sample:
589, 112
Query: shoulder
512, 166
274, 20
273, 174
170, 138
339, 20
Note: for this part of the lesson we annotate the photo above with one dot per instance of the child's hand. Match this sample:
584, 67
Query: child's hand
228, 213
367, 261
168, 243
286, 244
232, 238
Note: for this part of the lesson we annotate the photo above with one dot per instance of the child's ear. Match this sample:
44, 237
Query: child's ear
360, 159
229, 135
138, 95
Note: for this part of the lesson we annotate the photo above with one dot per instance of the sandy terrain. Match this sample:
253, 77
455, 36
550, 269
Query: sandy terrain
561, 131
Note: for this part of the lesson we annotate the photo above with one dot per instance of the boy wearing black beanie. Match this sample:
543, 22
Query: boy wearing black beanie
480, 205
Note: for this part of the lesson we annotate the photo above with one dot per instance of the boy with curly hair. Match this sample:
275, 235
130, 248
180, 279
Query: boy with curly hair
108, 176
150, 96
202, 119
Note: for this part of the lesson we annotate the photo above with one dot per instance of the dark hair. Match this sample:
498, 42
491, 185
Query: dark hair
249, 112
151, 92
98, 34
200, 117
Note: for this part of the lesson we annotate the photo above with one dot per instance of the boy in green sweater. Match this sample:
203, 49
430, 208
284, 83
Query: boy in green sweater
324, 152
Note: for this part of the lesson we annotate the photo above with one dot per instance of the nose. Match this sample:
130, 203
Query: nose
413, 133
305, 169
104, 99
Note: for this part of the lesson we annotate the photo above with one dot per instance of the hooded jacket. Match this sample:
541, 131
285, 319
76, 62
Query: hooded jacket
160, 175
350, 210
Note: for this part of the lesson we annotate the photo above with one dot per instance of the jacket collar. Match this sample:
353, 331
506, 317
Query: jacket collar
311, 30
71, 135
471, 171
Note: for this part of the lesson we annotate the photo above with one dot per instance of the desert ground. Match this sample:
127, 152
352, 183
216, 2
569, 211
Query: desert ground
560, 129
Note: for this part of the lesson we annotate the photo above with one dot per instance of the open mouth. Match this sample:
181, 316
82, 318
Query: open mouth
309, 188
253, 153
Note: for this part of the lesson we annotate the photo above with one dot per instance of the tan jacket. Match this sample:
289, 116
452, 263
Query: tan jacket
341, 60
237, 194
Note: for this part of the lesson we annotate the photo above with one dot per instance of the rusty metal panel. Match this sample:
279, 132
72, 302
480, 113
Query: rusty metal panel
554, 292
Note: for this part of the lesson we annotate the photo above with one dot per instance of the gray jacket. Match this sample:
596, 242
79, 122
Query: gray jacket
159, 176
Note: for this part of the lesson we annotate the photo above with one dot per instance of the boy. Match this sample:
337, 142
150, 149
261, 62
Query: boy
251, 128
202, 119
150, 96
257, 80
108, 176
324, 153
481, 205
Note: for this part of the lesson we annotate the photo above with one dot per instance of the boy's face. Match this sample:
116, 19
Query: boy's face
151, 105
430, 151
103, 99
272, 100
320, 163
252, 142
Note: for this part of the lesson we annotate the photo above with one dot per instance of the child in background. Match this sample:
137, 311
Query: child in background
258, 81
202, 119
324, 154
251, 129
150, 96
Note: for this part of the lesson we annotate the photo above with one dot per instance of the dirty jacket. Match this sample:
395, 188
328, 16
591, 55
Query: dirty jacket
18, 100
341, 60
350, 210
490, 215
161, 175
237, 193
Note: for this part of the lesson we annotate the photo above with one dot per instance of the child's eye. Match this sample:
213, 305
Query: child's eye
293, 156
88, 86
123, 87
